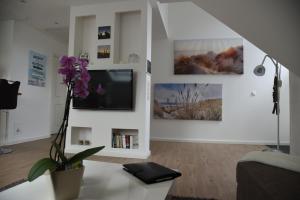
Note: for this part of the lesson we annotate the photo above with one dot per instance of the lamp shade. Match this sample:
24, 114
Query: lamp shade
259, 70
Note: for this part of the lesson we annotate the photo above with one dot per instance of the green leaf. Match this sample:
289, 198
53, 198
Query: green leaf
40, 167
84, 154
60, 154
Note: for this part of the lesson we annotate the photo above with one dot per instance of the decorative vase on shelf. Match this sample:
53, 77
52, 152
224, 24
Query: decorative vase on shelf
133, 58
84, 56
67, 172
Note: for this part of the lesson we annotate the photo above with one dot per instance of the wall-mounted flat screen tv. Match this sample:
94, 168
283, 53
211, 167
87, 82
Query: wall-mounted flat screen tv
108, 90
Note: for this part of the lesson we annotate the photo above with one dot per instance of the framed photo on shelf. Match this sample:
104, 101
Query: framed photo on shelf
103, 51
104, 32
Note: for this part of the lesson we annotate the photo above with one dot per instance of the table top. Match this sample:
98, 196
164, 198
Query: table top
105, 181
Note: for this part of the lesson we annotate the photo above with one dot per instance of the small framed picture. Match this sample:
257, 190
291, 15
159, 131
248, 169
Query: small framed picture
103, 51
104, 32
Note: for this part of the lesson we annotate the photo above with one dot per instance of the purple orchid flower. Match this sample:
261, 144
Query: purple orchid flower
81, 89
67, 61
75, 73
83, 63
100, 90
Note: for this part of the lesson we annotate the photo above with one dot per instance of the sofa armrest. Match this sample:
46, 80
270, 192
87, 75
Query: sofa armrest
268, 175
276, 159
257, 181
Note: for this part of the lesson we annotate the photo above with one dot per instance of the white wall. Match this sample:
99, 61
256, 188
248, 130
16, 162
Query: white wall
33, 114
6, 40
295, 113
246, 119
163, 10
271, 25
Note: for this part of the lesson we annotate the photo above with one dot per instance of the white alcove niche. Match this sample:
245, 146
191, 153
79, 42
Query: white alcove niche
81, 134
127, 36
85, 37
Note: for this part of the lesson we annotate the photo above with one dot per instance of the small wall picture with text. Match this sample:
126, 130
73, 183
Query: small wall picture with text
103, 51
104, 32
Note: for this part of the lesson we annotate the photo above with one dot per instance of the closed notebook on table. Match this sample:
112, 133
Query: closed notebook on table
150, 172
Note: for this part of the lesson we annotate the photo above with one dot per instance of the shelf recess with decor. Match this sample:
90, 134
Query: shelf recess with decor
125, 138
81, 136
127, 37
85, 36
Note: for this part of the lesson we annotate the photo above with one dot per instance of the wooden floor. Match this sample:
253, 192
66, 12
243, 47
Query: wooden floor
208, 169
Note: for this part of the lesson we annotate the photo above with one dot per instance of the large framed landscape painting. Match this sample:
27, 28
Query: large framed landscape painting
208, 56
188, 101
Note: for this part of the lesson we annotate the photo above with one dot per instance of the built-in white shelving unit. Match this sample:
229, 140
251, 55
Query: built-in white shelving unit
130, 23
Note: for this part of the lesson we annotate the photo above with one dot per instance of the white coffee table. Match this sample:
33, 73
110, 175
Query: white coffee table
105, 181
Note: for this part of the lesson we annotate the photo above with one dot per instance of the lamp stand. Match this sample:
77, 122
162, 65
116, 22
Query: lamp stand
276, 94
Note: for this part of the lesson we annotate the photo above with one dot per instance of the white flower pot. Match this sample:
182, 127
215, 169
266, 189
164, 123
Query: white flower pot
67, 183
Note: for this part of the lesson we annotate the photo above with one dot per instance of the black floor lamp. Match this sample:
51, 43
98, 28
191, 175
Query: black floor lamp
260, 71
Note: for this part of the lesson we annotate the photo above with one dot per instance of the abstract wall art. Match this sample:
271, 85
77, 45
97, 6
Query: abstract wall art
208, 56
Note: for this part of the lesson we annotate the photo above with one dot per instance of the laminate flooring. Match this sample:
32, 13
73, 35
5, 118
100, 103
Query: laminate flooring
208, 170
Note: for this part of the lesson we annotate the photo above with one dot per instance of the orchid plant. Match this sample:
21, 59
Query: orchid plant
75, 75
76, 78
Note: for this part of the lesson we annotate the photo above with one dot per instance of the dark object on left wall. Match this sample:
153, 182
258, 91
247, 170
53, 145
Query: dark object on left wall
149, 66
9, 94
8, 100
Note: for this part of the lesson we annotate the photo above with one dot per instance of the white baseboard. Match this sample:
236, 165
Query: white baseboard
197, 140
126, 154
122, 153
26, 140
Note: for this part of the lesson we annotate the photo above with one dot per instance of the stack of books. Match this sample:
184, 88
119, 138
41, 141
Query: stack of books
124, 141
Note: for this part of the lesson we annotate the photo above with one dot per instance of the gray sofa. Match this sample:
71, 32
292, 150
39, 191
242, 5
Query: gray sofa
268, 176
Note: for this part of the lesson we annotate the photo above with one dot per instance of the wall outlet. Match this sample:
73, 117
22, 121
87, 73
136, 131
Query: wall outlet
18, 131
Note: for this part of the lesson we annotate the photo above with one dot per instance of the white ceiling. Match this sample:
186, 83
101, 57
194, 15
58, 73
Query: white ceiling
51, 16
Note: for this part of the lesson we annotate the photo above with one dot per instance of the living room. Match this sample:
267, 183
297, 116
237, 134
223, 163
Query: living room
142, 39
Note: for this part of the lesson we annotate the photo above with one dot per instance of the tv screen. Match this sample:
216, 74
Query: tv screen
108, 90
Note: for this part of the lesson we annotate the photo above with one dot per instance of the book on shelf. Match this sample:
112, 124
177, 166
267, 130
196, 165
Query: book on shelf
120, 141
130, 141
124, 141
135, 142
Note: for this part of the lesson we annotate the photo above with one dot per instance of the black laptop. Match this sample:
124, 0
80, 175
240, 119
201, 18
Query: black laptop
150, 172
